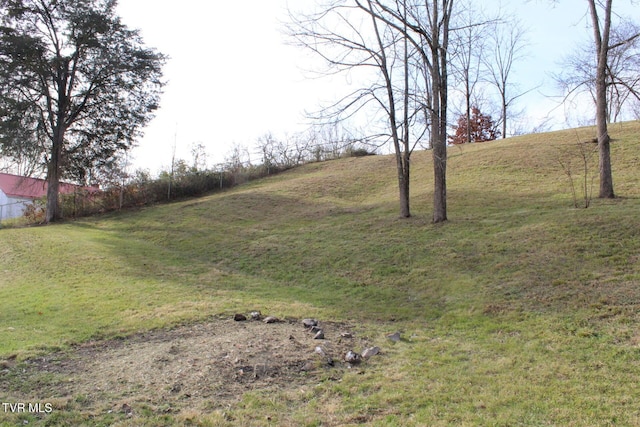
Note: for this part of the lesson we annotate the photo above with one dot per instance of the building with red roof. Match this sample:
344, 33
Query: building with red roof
16, 192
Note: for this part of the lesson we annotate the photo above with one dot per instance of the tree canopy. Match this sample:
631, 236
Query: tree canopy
76, 87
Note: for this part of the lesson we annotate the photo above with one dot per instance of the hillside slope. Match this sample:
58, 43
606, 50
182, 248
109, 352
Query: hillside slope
517, 282
328, 236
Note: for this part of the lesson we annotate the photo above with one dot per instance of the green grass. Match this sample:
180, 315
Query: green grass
521, 310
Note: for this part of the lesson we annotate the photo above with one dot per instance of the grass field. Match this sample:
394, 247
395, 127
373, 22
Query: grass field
520, 310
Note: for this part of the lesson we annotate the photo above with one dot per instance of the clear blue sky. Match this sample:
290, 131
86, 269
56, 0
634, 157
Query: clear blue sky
232, 78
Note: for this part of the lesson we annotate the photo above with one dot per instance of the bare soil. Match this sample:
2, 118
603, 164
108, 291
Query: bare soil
195, 367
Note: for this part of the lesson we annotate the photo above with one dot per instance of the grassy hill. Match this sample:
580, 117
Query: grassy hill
521, 310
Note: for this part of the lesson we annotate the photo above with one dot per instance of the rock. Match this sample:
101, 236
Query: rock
319, 335
395, 337
239, 317
346, 335
371, 351
309, 323
320, 351
309, 366
126, 409
271, 319
352, 357
256, 315
315, 329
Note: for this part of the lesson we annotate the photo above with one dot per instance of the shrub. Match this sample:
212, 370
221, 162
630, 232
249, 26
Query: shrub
34, 212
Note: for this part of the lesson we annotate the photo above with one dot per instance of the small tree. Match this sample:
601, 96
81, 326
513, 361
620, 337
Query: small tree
576, 165
480, 128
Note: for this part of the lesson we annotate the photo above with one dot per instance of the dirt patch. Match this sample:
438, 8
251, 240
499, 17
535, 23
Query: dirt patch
195, 367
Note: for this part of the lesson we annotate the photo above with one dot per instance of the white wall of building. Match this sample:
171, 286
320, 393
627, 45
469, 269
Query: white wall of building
12, 207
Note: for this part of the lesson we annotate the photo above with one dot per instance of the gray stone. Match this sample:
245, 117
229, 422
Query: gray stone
239, 317
395, 337
271, 319
319, 335
371, 351
309, 323
352, 357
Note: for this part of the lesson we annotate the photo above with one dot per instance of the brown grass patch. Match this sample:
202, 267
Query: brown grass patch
184, 370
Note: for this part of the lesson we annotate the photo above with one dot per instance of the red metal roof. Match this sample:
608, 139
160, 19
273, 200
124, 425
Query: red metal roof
30, 188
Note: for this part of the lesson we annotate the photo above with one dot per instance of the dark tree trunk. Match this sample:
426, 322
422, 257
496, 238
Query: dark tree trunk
439, 145
403, 185
440, 183
406, 153
602, 45
504, 115
53, 180
468, 113
439, 48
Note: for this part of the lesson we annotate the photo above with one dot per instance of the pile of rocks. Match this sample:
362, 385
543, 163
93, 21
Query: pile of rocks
350, 357
318, 332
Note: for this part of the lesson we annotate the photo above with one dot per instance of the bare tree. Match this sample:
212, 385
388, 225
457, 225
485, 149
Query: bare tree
266, 144
623, 67
426, 25
399, 31
236, 163
329, 141
467, 61
581, 153
623, 70
350, 40
505, 44
601, 21
400, 142
436, 35
199, 157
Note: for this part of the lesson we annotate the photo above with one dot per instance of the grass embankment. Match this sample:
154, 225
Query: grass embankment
521, 310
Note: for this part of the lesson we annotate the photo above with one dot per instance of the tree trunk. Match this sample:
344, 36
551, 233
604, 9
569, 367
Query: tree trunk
404, 182
468, 113
504, 115
403, 185
439, 145
606, 174
440, 183
602, 45
54, 171
401, 151
440, 43
53, 179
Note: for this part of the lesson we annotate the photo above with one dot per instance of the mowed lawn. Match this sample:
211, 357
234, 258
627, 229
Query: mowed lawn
520, 310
